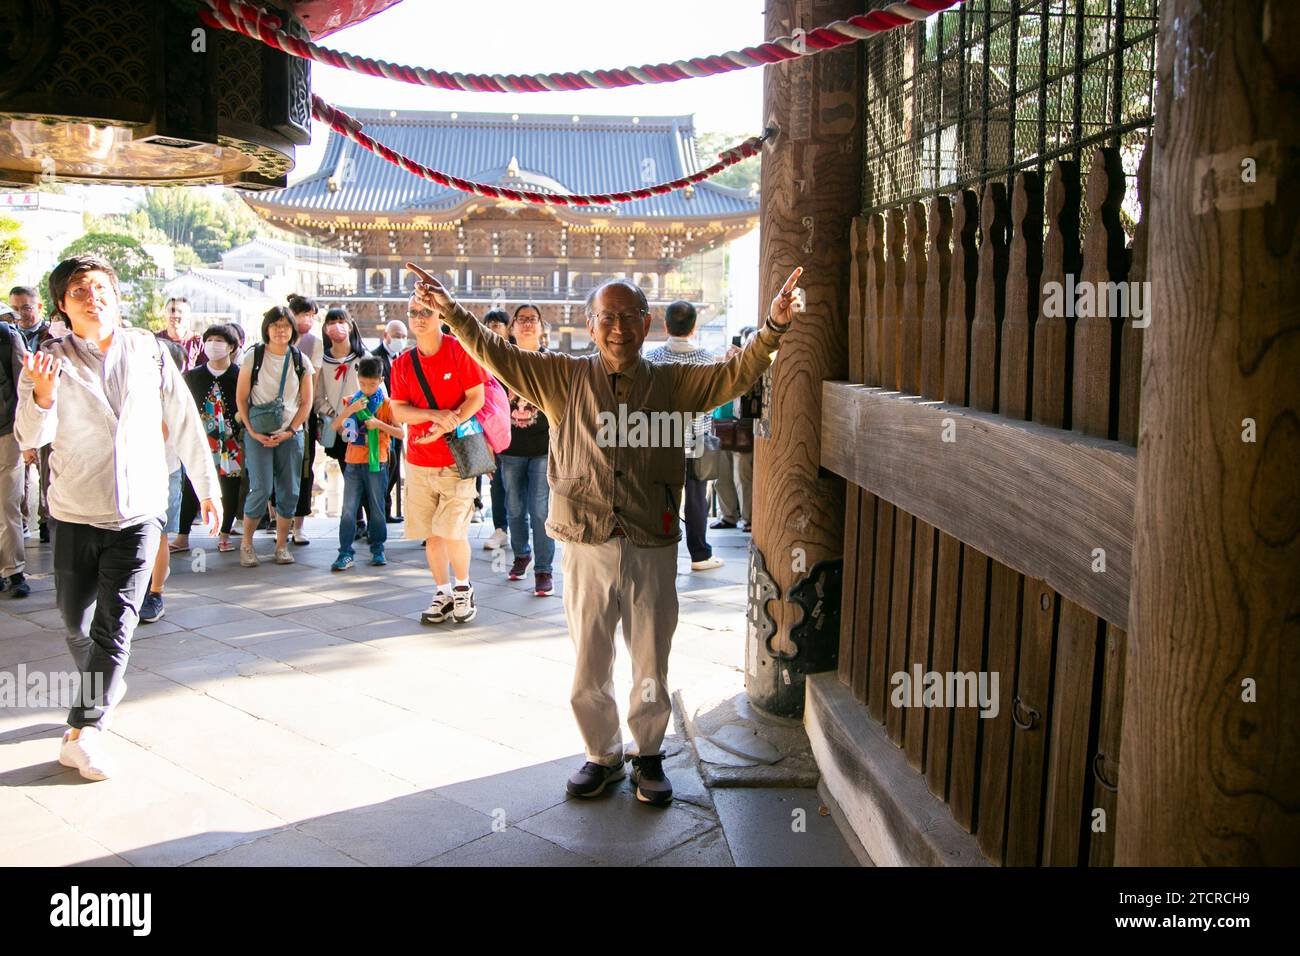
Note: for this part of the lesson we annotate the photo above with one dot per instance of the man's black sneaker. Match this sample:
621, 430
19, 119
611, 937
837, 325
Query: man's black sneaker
18, 586
44, 533
593, 778
648, 778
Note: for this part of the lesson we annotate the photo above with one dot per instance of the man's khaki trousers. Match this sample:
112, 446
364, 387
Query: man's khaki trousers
13, 550
603, 585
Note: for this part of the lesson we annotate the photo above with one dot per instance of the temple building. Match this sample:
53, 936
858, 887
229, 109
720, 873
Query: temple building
495, 252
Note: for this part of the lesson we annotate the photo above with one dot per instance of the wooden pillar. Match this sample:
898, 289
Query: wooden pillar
1209, 777
812, 175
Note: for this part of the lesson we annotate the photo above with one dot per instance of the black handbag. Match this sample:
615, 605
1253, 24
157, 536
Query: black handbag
710, 462
471, 453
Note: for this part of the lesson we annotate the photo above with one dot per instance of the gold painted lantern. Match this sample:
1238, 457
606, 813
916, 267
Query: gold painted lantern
142, 93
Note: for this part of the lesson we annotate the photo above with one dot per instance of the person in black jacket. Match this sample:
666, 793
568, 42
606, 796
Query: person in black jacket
35, 331
213, 386
394, 344
13, 550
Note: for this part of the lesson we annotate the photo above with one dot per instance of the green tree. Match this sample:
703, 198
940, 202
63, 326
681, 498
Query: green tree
743, 175
12, 249
194, 217
137, 273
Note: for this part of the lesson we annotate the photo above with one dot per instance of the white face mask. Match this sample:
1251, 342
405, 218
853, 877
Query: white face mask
397, 346
58, 328
216, 351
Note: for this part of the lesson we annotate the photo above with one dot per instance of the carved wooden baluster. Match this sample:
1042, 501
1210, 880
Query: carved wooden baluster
873, 300
1023, 271
1052, 341
913, 301
990, 298
1096, 331
895, 279
939, 266
961, 298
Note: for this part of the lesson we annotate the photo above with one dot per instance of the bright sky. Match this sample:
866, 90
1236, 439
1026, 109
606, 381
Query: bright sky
523, 36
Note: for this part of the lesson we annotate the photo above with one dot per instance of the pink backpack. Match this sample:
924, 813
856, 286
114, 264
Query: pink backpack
494, 416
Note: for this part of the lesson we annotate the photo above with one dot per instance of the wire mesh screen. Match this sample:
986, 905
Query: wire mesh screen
993, 87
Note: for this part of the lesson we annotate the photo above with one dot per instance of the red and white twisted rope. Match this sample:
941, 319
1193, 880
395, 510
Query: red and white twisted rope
245, 18
350, 126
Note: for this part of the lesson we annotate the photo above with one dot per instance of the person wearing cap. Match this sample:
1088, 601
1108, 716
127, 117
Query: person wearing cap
615, 502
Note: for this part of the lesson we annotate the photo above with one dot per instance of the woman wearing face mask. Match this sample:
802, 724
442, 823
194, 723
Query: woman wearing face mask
213, 387
303, 309
336, 382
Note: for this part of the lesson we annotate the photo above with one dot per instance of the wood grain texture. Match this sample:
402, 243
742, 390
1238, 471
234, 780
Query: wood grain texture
1005, 599
1036, 499
878, 679
1106, 759
961, 298
1068, 766
813, 169
1031, 708
963, 773
924, 543
861, 621
1209, 779
943, 657
900, 598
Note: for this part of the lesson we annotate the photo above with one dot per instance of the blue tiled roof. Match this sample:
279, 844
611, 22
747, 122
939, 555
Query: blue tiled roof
596, 154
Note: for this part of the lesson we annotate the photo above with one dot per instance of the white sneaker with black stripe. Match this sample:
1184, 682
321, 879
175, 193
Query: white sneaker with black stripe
439, 609
464, 608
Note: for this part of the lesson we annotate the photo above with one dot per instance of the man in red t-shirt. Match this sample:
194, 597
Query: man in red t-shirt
439, 503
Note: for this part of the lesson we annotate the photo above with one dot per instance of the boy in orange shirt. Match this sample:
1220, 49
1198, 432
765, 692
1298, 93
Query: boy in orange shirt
368, 412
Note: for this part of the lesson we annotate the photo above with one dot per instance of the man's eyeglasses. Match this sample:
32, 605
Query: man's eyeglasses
81, 293
26, 308
420, 313
621, 318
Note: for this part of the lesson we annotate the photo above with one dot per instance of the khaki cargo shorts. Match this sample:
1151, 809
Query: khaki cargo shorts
438, 503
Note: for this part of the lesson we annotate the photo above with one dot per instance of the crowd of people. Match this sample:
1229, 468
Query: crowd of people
137, 434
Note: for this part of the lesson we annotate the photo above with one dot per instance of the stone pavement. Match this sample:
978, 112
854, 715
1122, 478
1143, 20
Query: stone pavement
288, 715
